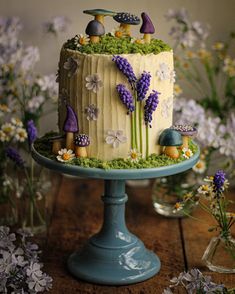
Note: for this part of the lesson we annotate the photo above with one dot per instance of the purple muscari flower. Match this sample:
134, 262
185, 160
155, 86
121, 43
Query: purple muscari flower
150, 106
218, 181
126, 97
31, 131
14, 155
142, 85
124, 66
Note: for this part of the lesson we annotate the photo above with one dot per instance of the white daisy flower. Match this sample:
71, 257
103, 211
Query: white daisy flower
81, 40
137, 41
8, 129
204, 189
200, 167
3, 137
119, 32
16, 122
187, 153
65, 155
178, 207
134, 155
21, 134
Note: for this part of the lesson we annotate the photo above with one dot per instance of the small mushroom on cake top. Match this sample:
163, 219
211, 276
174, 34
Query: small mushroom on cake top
126, 20
95, 29
99, 14
170, 139
57, 142
186, 131
81, 141
70, 127
147, 27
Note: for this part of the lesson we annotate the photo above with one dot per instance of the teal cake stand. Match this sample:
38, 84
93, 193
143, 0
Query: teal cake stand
114, 256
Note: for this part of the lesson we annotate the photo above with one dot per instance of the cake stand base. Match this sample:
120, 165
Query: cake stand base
114, 256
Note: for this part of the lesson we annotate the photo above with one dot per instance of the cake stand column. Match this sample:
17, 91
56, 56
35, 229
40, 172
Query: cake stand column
114, 256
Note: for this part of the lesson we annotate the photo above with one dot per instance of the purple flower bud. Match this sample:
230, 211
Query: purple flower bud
142, 85
31, 131
124, 66
150, 106
126, 97
14, 155
218, 181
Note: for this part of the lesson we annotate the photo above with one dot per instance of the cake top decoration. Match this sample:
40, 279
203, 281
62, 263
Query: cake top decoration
147, 27
95, 29
71, 121
127, 18
82, 140
185, 130
170, 137
99, 14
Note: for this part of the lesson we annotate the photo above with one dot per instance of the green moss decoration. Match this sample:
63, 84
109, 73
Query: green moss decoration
111, 45
43, 146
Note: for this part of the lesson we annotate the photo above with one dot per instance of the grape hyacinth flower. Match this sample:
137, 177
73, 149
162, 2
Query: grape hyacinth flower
218, 181
126, 97
150, 107
124, 66
142, 85
14, 155
32, 131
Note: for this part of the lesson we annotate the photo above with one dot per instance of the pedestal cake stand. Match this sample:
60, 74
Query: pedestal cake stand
114, 256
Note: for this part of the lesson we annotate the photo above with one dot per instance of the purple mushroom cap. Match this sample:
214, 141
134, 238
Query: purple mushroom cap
147, 25
185, 130
81, 140
71, 121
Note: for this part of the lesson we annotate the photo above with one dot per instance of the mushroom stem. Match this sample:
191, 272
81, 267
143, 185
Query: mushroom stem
100, 18
80, 151
56, 146
69, 140
94, 39
126, 27
147, 38
185, 142
171, 151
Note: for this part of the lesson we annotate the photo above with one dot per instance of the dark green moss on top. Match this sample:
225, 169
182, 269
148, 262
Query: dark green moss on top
111, 45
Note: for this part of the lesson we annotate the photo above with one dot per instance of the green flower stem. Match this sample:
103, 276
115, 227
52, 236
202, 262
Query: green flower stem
132, 131
135, 121
147, 140
210, 76
140, 126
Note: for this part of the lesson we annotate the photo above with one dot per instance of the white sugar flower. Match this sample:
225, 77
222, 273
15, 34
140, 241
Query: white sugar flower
134, 155
167, 105
187, 153
115, 138
200, 167
81, 40
92, 112
72, 66
65, 155
94, 83
21, 134
163, 72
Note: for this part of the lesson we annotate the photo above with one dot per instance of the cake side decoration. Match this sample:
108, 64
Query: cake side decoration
70, 127
167, 105
93, 83
114, 138
170, 140
72, 66
186, 131
81, 141
65, 155
92, 112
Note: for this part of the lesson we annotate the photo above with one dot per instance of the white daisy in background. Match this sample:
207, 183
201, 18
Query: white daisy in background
81, 40
178, 207
200, 167
21, 134
4, 108
119, 32
177, 90
94, 83
8, 129
134, 155
166, 106
187, 153
204, 189
16, 122
115, 138
65, 155
3, 137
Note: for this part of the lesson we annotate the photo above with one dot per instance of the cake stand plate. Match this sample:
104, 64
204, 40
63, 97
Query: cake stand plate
114, 256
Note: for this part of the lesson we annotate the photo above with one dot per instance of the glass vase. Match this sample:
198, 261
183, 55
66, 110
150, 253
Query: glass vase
219, 256
169, 190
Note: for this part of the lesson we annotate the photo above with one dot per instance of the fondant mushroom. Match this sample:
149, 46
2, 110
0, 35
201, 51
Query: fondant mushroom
186, 131
81, 141
57, 143
126, 20
147, 27
70, 127
99, 14
170, 139
95, 29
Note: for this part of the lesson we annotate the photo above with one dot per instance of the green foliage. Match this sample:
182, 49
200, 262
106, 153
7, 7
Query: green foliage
111, 45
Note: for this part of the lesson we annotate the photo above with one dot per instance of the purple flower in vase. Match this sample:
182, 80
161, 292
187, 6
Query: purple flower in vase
142, 85
125, 67
14, 155
31, 131
150, 106
219, 180
126, 97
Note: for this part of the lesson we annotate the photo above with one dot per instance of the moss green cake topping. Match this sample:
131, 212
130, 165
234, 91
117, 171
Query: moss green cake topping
154, 160
109, 44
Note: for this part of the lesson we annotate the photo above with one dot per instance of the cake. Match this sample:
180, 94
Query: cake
118, 88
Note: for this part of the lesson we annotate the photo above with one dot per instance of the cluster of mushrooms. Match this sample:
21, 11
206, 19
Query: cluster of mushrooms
72, 139
176, 136
95, 28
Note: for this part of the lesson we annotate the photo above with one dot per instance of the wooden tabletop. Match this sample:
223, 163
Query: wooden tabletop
78, 214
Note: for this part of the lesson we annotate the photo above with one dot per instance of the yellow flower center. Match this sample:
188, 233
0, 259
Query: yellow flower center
7, 130
118, 34
66, 156
82, 41
177, 205
188, 153
134, 155
199, 165
205, 187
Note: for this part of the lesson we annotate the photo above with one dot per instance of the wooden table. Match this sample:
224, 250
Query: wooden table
77, 215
